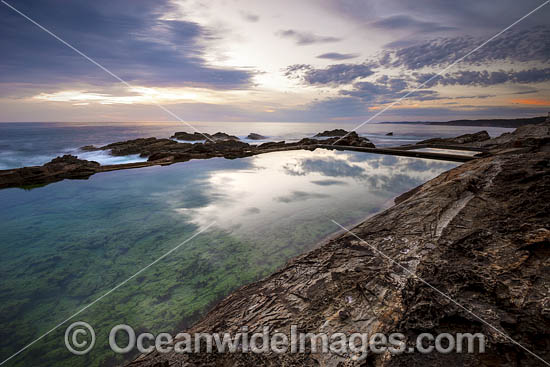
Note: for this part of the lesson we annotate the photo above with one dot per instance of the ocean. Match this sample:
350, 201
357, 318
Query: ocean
27, 144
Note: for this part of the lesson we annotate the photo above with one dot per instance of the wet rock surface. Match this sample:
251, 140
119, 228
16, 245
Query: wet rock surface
254, 136
352, 140
182, 135
67, 166
527, 138
158, 151
479, 233
335, 132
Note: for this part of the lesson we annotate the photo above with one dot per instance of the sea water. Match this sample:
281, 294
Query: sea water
66, 244
27, 144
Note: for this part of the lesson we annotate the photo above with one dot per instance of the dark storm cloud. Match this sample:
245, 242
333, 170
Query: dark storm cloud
475, 16
425, 95
368, 91
386, 90
305, 38
396, 84
127, 37
356, 87
406, 22
337, 56
531, 45
333, 74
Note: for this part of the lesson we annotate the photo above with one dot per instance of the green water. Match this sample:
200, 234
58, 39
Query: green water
66, 244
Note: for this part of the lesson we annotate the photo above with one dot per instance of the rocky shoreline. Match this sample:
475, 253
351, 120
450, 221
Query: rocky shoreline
479, 233
159, 152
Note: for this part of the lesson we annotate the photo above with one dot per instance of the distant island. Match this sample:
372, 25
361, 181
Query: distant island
510, 123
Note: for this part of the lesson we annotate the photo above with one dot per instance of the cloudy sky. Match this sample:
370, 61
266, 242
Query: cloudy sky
286, 60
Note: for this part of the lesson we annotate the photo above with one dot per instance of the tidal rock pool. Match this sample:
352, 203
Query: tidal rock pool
67, 244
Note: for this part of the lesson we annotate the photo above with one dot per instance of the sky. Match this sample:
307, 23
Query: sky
251, 60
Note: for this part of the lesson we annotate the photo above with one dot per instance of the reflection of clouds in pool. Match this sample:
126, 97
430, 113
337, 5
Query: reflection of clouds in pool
389, 160
274, 189
328, 167
396, 183
328, 182
300, 196
421, 165
252, 211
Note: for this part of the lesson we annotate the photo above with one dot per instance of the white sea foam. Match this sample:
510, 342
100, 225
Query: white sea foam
189, 141
105, 158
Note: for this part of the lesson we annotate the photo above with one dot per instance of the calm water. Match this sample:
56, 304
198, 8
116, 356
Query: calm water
26, 144
65, 244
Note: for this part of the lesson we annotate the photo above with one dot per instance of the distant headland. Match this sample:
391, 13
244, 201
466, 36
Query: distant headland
509, 123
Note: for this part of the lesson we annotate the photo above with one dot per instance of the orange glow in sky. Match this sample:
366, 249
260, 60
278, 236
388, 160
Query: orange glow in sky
532, 101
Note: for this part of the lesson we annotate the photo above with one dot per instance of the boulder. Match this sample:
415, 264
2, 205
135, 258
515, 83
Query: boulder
272, 144
309, 141
254, 136
224, 136
328, 133
182, 135
67, 166
227, 145
142, 146
352, 140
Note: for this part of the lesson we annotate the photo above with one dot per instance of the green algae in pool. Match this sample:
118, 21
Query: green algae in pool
66, 244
